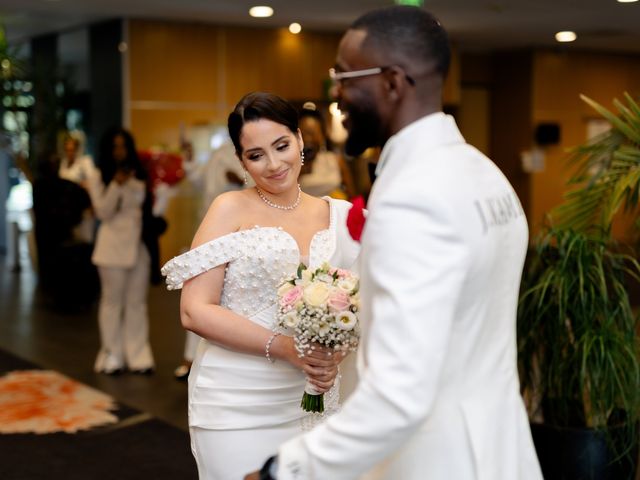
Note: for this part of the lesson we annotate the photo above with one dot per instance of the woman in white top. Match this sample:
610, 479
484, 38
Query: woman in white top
80, 170
326, 172
242, 406
122, 258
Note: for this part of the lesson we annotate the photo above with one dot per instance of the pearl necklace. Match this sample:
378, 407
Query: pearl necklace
275, 205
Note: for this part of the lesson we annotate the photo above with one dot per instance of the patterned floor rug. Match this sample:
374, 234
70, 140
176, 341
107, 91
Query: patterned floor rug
43, 401
54, 427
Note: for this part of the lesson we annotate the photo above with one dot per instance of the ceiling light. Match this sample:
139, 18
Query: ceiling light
627, 1
566, 36
261, 11
295, 28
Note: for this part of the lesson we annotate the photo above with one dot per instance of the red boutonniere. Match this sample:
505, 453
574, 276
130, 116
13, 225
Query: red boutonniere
356, 218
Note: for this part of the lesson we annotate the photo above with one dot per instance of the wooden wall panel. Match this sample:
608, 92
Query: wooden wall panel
473, 116
160, 127
173, 62
510, 130
451, 94
293, 66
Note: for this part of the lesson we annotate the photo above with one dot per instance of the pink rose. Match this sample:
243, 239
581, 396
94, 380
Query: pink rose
342, 273
290, 298
338, 301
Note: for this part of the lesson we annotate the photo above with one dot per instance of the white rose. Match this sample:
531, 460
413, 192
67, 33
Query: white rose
316, 294
346, 320
347, 284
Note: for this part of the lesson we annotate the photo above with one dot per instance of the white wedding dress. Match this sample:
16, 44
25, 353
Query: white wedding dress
241, 407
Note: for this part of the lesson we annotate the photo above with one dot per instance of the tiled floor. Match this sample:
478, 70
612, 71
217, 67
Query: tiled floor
68, 342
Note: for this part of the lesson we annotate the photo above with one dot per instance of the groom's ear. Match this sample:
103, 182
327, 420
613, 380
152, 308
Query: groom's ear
395, 82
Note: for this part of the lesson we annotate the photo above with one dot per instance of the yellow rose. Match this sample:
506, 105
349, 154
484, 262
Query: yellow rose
316, 294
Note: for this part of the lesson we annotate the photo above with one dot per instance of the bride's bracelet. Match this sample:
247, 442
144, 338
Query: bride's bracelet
267, 347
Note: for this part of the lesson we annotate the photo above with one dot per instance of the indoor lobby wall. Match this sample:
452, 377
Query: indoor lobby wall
558, 81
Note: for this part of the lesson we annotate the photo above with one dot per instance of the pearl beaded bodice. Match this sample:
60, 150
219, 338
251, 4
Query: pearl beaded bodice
257, 260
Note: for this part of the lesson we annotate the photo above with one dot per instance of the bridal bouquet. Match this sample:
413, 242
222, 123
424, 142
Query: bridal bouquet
320, 306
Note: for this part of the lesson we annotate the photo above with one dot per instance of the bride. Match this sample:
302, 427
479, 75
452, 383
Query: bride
246, 382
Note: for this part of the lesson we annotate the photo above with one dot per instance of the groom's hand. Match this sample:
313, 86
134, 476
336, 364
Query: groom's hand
253, 476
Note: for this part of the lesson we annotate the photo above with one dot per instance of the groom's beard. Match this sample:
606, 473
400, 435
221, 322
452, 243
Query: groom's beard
365, 129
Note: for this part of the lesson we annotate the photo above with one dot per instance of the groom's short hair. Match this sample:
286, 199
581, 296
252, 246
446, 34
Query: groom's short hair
407, 36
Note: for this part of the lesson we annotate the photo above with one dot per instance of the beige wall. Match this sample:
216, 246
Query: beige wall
473, 116
559, 79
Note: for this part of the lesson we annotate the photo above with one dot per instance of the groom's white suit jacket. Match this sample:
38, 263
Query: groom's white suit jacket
442, 255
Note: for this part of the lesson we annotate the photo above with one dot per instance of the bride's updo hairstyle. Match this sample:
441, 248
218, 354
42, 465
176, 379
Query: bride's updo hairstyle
257, 106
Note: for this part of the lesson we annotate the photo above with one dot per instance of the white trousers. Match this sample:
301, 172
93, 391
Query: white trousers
231, 454
123, 318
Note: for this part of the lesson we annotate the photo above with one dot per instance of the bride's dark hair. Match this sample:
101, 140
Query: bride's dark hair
260, 105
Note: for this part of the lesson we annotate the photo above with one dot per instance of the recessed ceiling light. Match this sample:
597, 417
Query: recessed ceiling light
627, 1
295, 28
261, 11
566, 36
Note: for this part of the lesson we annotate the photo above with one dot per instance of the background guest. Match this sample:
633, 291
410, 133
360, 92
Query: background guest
325, 172
120, 197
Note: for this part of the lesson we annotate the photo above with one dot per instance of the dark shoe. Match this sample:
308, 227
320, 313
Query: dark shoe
182, 372
113, 373
144, 371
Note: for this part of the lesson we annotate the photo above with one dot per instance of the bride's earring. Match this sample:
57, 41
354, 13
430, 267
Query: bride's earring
246, 179
301, 157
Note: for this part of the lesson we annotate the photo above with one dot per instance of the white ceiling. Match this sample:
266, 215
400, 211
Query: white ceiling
473, 24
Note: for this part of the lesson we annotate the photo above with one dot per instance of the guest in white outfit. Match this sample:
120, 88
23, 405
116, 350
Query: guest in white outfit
246, 382
122, 258
74, 166
443, 248
81, 170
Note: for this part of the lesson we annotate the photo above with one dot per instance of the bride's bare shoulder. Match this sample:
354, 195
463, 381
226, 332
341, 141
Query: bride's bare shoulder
225, 215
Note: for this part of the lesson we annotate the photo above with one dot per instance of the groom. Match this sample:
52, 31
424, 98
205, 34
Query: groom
442, 255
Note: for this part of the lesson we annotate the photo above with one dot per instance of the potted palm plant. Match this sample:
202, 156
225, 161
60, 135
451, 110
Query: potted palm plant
579, 352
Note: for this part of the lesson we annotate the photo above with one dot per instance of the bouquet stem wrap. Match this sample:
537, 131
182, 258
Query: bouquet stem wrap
312, 400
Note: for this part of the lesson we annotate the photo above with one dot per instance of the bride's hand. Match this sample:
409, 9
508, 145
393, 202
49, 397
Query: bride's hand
321, 366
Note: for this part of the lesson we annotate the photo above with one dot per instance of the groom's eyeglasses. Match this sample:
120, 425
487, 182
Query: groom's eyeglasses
337, 77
